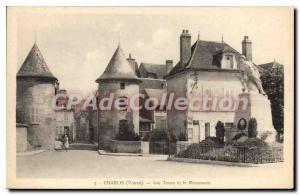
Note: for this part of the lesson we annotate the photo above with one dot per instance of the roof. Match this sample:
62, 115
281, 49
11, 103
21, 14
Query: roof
149, 68
203, 56
118, 68
134, 66
152, 83
35, 65
271, 65
155, 93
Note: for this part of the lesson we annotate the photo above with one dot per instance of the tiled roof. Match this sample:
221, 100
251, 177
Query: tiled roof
118, 68
152, 83
155, 93
35, 65
158, 69
202, 56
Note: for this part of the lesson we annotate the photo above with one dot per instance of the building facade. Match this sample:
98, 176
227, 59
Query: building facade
121, 81
210, 70
36, 86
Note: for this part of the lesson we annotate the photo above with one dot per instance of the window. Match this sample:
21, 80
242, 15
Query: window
122, 85
207, 130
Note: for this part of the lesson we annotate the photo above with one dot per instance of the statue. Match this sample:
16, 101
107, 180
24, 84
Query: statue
250, 76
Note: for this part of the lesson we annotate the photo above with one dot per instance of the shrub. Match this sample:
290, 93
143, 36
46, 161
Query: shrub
162, 136
182, 137
220, 131
252, 128
128, 136
252, 143
212, 141
146, 138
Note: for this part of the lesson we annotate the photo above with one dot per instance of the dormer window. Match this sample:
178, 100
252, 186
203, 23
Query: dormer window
228, 61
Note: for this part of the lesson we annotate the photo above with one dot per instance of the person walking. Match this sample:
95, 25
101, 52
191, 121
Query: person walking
66, 142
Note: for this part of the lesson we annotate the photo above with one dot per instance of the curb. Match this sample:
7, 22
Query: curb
102, 152
30, 153
212, 162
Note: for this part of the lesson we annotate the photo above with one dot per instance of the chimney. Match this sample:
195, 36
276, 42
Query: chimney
185, 46
169, 66
247, 48
131, 62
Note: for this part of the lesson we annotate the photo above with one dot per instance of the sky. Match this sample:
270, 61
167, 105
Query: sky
77, 43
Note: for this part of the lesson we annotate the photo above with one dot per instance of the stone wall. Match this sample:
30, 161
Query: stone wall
176, 119
126, 146
34, 99
21, 138
109, 119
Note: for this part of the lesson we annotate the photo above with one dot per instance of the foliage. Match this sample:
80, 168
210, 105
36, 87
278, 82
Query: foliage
220, 131
251, 143
128, 136
212, 141
252, 128
273, 84
234, 154
158, 135
235, 138
182, 137
146, 138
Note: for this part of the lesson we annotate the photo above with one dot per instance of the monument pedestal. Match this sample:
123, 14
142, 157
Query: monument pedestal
258, 107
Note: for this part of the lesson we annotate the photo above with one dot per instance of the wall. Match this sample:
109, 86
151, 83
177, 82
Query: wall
176, 119
34, 96
126, 146
21, 139
109, 119
216, 85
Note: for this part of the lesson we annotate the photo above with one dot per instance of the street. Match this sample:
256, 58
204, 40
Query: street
89, 164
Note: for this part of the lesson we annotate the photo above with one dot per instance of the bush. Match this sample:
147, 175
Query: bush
252, 143
252, 128
146, 138
212, 141
220, 130
128, 136
162, 136
182, 137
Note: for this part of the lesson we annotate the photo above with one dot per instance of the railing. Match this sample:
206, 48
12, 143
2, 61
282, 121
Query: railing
234, 154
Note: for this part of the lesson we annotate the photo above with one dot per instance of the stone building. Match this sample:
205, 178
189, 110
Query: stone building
65, 119
153, 86
205, 69
120, 80
36, 86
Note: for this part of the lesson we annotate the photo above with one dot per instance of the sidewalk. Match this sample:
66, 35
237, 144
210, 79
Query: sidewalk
107, 153
32, 152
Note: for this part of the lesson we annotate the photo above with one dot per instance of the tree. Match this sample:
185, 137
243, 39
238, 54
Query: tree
220, 131
252, 128
273, 83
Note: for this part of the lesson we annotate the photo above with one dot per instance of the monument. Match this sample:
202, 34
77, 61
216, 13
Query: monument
258, 106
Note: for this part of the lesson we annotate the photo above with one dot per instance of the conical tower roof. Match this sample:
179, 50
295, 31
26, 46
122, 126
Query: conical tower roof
118, 68
35, 65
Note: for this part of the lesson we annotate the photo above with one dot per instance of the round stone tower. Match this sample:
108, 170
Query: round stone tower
119, 82
35, 89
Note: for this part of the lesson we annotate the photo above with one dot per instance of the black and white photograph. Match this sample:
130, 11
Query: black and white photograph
150, 97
